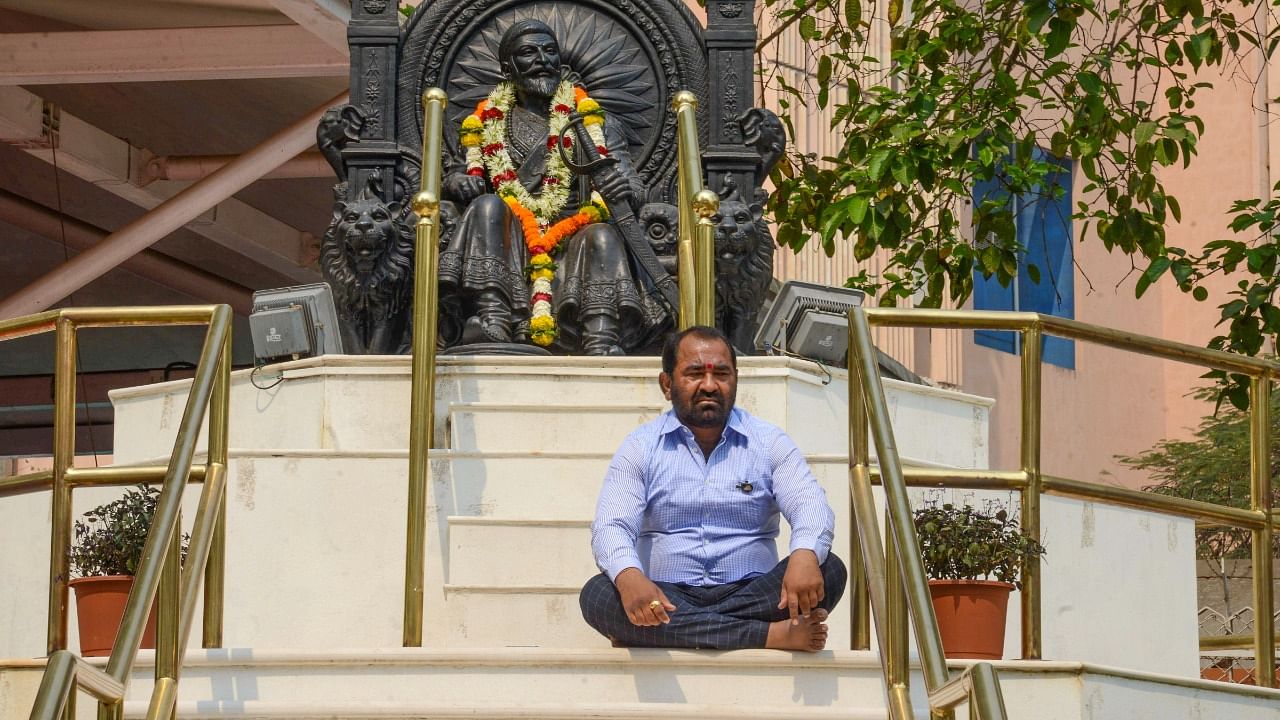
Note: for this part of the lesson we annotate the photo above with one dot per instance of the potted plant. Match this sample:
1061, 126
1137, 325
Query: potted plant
974, 559
104, 556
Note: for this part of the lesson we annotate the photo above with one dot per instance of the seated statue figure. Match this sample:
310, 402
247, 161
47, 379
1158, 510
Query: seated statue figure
533, 258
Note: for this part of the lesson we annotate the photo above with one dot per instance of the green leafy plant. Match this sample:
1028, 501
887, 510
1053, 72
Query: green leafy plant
1001, 92
961, 542
1213, 467
109, 538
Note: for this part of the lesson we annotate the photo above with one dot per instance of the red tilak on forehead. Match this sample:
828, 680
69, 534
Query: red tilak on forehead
709, 366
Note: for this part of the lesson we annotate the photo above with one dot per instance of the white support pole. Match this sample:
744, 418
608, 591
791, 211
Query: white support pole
148, 264
167, 217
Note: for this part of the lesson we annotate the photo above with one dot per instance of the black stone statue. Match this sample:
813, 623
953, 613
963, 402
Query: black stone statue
592, 304
535, 254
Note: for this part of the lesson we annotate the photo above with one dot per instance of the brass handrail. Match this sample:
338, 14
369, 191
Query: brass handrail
160, 569
895, 581
425, 313
1031, 482
696, 246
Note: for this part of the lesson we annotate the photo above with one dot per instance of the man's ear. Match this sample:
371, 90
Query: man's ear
664, 381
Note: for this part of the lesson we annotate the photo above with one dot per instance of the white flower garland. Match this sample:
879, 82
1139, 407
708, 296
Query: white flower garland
492, 154
484, 134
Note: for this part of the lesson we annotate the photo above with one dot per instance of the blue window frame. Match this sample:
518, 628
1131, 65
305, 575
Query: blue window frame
1043, 224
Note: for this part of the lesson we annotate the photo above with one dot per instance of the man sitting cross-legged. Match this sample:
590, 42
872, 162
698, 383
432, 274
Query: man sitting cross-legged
687, 519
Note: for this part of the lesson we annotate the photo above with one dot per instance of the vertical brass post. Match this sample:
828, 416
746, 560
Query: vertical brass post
57, 687
1260, 475
986, 701
112, 711
689, 181
1032, 648
859, 468
425, 313
64, 450
705, 204
219, 439
896, 600
167, 614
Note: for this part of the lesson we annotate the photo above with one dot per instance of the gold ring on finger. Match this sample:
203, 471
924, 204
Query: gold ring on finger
654, 605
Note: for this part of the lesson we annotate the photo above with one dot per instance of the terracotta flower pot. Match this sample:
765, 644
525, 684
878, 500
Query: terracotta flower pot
100, 605
971, 617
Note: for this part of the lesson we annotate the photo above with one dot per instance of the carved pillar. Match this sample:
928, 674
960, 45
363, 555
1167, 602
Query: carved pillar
373, 35
731, 40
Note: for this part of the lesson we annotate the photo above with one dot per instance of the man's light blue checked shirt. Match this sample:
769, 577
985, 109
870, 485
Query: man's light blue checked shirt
683, 519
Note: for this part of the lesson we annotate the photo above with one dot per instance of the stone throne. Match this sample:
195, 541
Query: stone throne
633, 55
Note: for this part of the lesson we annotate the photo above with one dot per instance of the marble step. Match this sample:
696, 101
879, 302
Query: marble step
510, 551
516, 616
545, 427
519, 551
589, 676
544, 616
513, 711
362, 403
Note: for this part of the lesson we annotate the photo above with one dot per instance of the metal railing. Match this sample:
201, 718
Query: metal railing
696, 246
161, 572
895, 582
696, 249
422, 411
904, 585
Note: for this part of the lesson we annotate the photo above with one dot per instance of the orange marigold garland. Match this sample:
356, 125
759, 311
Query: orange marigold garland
483, 134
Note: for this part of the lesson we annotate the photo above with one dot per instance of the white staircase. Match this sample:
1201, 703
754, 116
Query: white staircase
315, 564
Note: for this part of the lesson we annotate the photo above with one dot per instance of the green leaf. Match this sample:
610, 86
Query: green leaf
895, 12
1233, 308
824, 70
902, 172
808, 27
858, 205
831, 220
875, 165
853, 13
1144, 131
1038, 13
1271, 318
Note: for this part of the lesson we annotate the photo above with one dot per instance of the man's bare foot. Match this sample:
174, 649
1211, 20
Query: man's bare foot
809, 636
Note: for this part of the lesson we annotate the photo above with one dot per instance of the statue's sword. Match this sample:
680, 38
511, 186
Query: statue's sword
623, 214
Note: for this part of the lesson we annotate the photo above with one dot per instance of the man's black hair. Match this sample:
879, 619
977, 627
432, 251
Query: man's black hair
672, 345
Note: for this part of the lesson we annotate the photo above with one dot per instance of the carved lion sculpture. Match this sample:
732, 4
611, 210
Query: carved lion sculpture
367, 258
744, 267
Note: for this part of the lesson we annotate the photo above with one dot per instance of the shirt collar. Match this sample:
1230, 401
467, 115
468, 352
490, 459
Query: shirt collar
736, 423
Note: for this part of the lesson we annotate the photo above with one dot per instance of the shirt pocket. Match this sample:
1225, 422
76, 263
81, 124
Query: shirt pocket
746, 501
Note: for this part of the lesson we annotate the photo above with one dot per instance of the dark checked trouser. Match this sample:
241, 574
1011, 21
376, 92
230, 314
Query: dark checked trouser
735, 616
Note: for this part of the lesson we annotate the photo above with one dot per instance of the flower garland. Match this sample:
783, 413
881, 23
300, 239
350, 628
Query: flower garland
484, 134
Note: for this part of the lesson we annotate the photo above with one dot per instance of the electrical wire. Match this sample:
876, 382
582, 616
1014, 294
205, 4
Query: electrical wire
66, 257
775, 350
253, 375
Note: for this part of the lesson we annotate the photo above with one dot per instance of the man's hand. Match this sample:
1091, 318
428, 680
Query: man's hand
802, 587
638, 594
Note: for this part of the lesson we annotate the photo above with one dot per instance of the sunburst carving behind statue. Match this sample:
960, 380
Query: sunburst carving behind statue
610, 61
